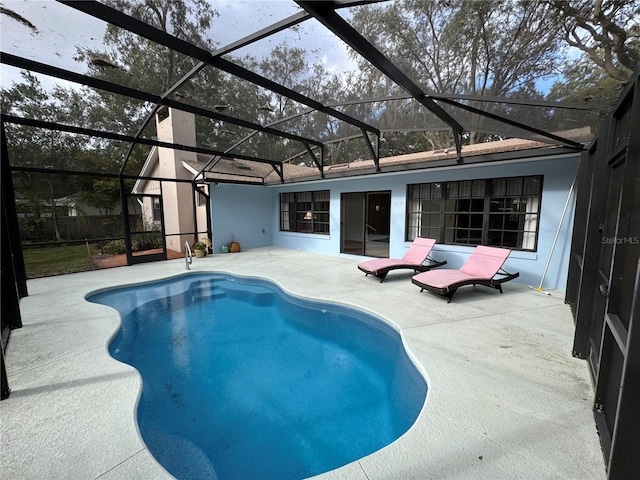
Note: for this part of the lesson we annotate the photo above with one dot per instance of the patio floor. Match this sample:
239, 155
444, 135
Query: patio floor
506, 399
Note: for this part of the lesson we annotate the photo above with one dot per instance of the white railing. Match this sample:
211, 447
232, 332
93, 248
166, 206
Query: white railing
187, 255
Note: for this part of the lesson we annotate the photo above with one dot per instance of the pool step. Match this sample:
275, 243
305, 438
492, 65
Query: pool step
204, 283
212, 288
253, 294
206, 292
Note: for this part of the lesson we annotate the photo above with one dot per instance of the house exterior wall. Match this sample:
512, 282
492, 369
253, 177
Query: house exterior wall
151, 187
177, 198
244, 213
201, 212
558, 175
233, 215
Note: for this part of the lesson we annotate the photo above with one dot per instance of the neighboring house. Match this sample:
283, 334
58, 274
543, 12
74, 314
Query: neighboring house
74, 219
507, 193
75, 206
67, 206
175, 199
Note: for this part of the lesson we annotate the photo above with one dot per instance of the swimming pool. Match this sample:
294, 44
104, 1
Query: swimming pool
242, 380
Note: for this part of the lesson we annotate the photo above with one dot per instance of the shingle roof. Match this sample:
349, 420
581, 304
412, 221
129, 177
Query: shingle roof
244, 171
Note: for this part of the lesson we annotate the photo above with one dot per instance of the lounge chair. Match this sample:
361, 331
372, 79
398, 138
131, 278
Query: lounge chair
483, 267
415, 258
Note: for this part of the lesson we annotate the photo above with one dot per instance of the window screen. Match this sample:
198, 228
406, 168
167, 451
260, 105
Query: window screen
502, 212
305, 212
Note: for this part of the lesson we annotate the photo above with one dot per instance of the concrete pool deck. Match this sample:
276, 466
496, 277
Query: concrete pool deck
506, 399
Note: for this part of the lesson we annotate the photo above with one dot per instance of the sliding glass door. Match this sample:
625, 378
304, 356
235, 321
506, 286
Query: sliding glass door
365, 223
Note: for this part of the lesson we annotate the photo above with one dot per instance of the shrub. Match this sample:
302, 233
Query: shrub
114, 247
147, 241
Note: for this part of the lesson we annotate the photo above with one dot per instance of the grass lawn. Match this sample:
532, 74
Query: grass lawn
48, 261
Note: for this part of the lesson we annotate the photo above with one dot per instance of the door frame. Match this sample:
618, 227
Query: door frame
364, 199
130, 233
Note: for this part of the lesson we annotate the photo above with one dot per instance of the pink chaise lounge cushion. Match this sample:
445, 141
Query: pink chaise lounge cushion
483, 264
418, 252
485, 261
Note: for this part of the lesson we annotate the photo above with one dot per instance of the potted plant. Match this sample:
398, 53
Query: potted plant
200, 248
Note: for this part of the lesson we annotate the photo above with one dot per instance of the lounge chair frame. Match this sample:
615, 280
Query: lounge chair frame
448, 292
382, 273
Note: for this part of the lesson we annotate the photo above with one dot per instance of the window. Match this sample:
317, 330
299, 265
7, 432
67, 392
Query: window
514, 211
157, 210
163, 113
464, 212
305, 212
502, 212
424, 210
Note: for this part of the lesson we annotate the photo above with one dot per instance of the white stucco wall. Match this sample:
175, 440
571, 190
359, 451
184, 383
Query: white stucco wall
246, 210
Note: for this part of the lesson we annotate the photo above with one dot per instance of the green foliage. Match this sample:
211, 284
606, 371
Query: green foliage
584, 84
608, 36
146, 241
490, 47
114, 247
103, 194
136, 62
607, 32
38, 194
149, 239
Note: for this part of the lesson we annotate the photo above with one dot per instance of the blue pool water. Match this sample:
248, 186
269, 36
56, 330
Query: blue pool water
243, 381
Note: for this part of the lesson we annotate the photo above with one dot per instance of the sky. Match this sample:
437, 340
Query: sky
59, 29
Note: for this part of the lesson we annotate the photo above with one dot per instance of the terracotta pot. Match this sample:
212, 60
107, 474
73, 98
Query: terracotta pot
200, 253
234, 247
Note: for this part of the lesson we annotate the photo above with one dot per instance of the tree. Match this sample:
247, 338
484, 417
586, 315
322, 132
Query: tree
103, 194
583, 82
606, 31
40, 148
135, 62
489, 48
289, 66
